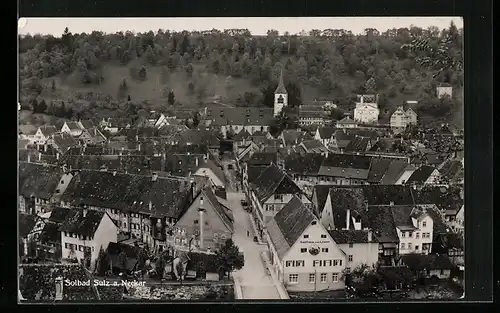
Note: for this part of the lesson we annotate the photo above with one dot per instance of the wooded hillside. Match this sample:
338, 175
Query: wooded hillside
100, 74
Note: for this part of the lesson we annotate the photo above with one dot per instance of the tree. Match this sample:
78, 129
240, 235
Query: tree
53, 87
143, 74
371, 86
229, 258
281, 122
122, 89
102, 265
180, 271
122, 261
87, 257
171, 97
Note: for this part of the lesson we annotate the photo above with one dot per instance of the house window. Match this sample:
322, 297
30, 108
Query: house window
424, 224
124, 225
347, 270
402, 246
278, 197
312, 278
66, 245
288, 263
336, 262
303, 250
323, 277
306, 236
403, 234
350, 257
416, 247
324, 249
409, 245
299, 263
410, 234
195, 221
80, 248
441, 272
335, 277
323, 236
293, 278
316, 263
417, 235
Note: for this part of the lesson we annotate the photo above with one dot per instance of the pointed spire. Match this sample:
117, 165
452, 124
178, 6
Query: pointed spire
281, 85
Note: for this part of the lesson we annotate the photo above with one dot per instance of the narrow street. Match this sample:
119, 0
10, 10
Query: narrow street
254, 279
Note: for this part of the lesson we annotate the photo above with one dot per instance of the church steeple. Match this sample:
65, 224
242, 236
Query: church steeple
281, 85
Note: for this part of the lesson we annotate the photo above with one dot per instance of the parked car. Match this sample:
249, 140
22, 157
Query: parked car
244, 203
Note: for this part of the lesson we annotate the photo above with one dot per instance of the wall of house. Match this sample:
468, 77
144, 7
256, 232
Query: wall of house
326, 216
273, 205
106, 232
279, 106
362, 253
398, 119
319, 238
215, 232
62, 185
416, 238
443, 91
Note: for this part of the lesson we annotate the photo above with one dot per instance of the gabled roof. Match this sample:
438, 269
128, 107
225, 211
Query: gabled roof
346, 120
251, 116
196, 136
343, 236
382, 224
378, 169
326, 132
394, 172
58, 214
347, 199
402, 216
64, 141
321, 192
314, 145
294, 137
48, 130
273, 180
307, 164
421, 174
288, 224
82, 222
241, 135
38, 180
115, 249
214, 168
452, 170
346, 165
73, 125
87, 124
254, 171
27, 129
26, 224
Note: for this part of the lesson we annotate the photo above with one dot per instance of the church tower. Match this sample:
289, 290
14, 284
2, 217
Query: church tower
280, 96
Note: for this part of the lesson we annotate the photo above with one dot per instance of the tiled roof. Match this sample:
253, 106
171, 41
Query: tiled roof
37, 282
219, 173
273, 180
346, 165
326, 132
38, 180
321, 192
382, 224
253, 172
73, 125
26, 224
384, 194
87, 124
64, 141
439, 225
129, 193
443, 197
347, 199
82, 222
431, 261
346, 120
288, 224
240, 116
196, 136
452, 170
378, 169
402, 215
262, 158
358, 144
394, 172
48, 130
166, 131
342, 236
421, 174
183, 164
307, 164
50, 233
118, 122
242, 135
314, 145
58, 214
383, 145
294, 137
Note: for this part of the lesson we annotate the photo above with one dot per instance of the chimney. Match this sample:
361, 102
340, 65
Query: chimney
409, 160
461, 194
29, 158
348, 219
39, 156
114, 173
201, 223
57, 156
59, 288
150, 206
154, 176
370, 236
84, 212
391, 203
205, 157
45, 148
139, 147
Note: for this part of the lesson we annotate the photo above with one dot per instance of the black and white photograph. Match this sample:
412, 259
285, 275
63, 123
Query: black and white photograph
234, 159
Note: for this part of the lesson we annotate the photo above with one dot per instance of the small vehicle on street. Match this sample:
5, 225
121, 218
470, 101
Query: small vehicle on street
255, 238
244, 203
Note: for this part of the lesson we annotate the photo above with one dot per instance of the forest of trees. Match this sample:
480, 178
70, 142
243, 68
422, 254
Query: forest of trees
334, 62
